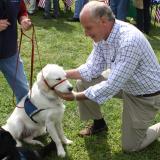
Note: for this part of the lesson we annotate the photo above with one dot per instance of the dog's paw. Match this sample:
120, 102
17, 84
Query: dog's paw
61, 153
67, 141
41, 144
34, 142
18, 143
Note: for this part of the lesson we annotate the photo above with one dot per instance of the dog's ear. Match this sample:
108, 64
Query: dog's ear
40, 82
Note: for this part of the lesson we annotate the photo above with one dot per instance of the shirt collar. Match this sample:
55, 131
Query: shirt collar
113, 34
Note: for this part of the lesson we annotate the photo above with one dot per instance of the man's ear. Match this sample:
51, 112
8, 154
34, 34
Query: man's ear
103, 20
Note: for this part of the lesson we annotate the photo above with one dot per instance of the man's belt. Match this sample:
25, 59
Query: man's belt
149, 95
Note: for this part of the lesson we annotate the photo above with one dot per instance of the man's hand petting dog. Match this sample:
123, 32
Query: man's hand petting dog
71, 95
66, 96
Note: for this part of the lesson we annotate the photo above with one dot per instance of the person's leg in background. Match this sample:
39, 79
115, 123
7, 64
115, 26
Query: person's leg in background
143, 17
32, 7
114, 5
47, 9
147, 16
140, 19
122, 9
78, 7
90, 110
19, 85
55, 8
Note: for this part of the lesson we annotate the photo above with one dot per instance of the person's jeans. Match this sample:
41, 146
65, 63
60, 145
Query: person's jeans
8, 68
47, 7
120, 8
78, 6
143, 17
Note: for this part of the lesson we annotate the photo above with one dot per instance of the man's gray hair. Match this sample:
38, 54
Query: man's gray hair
99, 9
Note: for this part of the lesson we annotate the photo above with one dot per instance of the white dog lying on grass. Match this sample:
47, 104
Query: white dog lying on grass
42, 111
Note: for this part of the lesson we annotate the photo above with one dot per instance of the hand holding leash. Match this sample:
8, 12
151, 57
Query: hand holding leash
26, 24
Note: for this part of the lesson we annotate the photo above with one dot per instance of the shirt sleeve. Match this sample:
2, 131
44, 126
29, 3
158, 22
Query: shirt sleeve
93, 66
122, 69
23, 10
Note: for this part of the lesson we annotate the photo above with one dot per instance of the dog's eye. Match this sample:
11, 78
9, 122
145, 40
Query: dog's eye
58, 79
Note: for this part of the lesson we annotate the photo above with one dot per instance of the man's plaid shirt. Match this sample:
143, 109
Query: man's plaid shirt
133, 63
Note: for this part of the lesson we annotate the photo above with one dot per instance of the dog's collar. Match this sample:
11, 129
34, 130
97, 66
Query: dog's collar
53, 87
31, 109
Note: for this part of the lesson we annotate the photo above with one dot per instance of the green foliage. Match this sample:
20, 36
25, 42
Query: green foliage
64, 43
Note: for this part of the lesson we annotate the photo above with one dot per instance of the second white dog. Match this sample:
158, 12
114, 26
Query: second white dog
44, 108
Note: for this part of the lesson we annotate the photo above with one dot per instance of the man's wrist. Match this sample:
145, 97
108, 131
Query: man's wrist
74, 96
78, 96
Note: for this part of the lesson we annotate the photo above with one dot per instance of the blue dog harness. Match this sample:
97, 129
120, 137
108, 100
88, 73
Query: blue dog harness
31, 109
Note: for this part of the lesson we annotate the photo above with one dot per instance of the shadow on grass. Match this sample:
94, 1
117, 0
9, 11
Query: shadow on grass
98, 147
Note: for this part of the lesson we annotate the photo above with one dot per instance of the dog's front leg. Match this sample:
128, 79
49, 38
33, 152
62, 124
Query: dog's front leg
60, 131
54, 135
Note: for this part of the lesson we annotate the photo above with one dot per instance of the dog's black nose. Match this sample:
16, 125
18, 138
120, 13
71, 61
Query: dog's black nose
70, 88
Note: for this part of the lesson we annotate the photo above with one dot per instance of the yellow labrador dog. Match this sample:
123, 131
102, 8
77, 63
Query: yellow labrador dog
41, 110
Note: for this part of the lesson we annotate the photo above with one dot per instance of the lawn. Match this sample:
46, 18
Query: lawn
64, 43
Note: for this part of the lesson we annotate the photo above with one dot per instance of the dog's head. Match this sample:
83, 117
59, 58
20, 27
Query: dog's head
53, 77
7, 143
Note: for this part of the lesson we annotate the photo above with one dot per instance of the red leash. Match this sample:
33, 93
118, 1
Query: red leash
32, 53
33, 40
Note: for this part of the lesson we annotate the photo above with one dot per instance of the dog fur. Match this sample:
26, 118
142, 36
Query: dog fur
42, 96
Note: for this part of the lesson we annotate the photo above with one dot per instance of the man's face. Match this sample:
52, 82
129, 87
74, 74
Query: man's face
95, 29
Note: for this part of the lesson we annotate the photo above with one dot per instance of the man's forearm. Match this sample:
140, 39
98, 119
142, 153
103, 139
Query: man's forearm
73, 74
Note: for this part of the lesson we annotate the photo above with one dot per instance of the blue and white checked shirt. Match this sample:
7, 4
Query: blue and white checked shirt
133, 63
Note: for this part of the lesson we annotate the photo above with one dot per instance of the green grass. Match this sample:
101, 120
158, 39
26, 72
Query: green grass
64, 43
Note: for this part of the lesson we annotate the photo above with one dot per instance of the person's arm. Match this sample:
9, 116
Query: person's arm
73, 74
23, 18
72, 96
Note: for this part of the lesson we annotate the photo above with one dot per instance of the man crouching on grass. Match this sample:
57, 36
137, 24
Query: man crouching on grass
134, 77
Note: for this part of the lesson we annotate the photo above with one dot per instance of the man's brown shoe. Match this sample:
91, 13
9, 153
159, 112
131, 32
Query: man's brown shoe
88, 131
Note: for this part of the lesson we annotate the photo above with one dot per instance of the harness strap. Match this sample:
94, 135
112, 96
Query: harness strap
30, 109
34, 113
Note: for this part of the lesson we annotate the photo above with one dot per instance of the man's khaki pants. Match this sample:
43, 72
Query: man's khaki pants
138, 114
